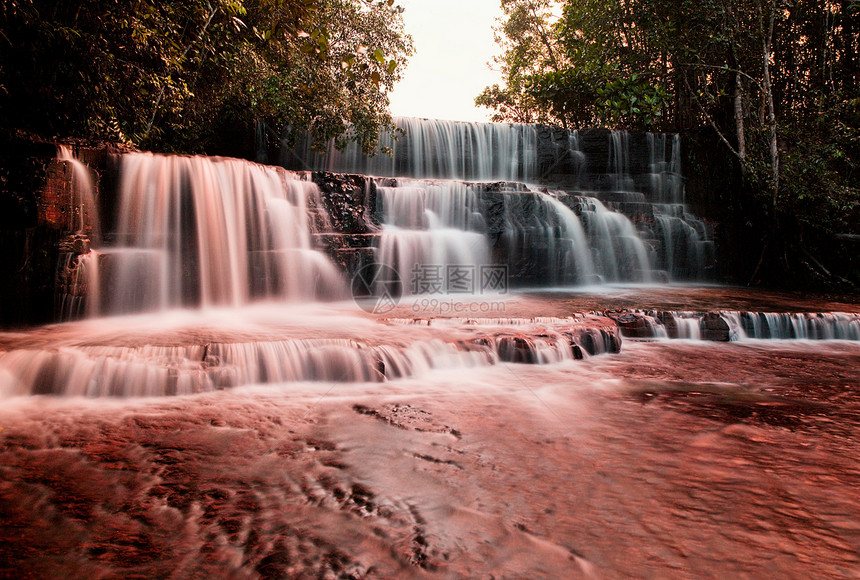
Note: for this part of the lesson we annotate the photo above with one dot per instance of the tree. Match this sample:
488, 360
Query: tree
775, 81
170, 75
527, 36
574, 65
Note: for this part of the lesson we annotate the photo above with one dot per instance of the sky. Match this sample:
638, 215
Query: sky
453, 43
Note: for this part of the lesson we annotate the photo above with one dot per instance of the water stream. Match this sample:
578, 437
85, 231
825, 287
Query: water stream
221, 406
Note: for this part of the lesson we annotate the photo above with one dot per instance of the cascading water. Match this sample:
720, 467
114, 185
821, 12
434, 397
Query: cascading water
284, 452
538, 238
619, 161
573, 256
664, 168
198, 232
799, 326
653, 200
83, 201
430, 225
75, 267
729, 325
628, 224
157, 371
617, 246
430, 148
194, 231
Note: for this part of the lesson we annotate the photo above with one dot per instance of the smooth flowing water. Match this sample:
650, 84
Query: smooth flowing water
541, 199
194, 231
431, 148
690, 458
224, 409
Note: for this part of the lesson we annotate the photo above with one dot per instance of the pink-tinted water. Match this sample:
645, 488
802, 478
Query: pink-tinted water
672, 459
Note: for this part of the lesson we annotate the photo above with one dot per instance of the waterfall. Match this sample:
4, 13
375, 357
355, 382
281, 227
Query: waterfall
619, 251
574, 255
430, 148
733, 325
201, 232
630, 191
82, 192
685, 245
799, 326
150, 371
194, 231
665, 182
619, 161
428, 229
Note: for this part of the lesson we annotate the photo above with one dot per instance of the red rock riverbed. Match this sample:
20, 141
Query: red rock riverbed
671, 459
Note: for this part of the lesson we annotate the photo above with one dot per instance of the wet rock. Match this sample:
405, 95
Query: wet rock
508, 205
715, 328
632, 324
516, 349
669, 322
349, 200
599, 340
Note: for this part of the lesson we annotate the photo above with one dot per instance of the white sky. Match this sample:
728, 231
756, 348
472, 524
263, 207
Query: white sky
453, 43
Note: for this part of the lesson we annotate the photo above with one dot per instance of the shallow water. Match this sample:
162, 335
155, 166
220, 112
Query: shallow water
670, 459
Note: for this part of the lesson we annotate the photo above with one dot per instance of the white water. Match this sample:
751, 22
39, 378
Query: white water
666, 183
799, 326
149, 371
619, 250
444, 223
430, 148
666, 243
429, 227
198, 233
82, 192
683, 250
743, 326
619, 161
573, 250
187, 352
195, 231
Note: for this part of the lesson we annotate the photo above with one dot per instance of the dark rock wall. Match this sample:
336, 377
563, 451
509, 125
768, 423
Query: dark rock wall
39, 252
30, 230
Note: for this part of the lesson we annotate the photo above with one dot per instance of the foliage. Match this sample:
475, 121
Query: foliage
775, 80
527, 37
570, 65
820, 170
172, 75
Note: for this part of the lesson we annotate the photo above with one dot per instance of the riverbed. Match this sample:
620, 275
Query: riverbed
669, 459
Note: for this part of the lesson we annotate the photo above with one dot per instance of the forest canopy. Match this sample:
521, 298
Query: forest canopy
173, 75
775, 82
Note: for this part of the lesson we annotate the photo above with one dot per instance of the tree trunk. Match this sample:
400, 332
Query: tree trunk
767, 41
739, 122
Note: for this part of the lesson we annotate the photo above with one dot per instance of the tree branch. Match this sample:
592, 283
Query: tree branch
713, 124
212, 12
723, 68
